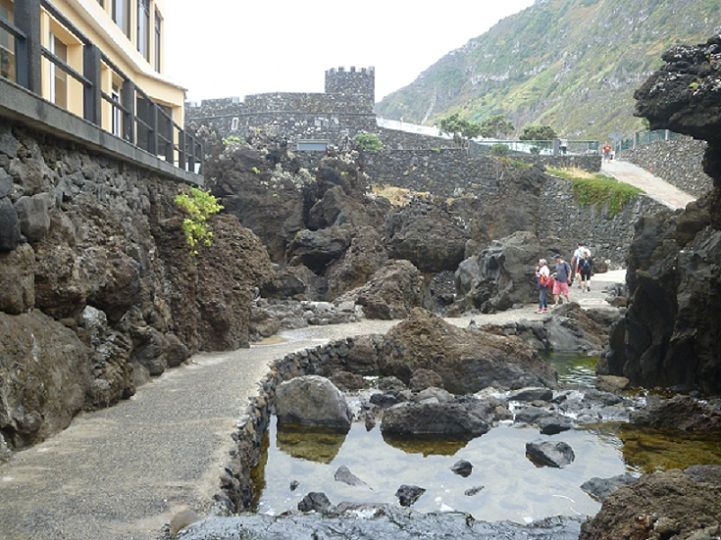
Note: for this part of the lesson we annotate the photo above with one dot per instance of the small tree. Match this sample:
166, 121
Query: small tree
496, 126
199, 205
370, 142
538, 133
461, 129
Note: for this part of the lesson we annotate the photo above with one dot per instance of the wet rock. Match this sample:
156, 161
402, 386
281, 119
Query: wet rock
680, 412
550, 454
384, 400
670, 504
532, 394
600, 488
33, 216
424, 378
343, 474
531, 415
391, 293
312, 401
462, 468
473, 491
314, 501
408, 495
612, 383
17, 280
345, 380
466, 360
378, 522
437, 394
294, 485
551, 425
458, 418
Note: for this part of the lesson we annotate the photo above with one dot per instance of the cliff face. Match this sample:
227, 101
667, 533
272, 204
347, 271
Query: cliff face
671, 334
97, 289
568, 63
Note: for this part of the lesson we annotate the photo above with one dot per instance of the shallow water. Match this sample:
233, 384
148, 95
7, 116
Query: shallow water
515, 489
574, 369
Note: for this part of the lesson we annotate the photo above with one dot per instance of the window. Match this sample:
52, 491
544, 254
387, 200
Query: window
158, 28
121, 15
7, 43
58, 77
144, 29
117, 113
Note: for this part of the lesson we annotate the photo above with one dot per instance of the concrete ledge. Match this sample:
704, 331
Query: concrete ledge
19, 105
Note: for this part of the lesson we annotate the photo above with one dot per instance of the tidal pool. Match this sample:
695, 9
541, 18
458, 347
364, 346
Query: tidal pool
514, 488
574, 369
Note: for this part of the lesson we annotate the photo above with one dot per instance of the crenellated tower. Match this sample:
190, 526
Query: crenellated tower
351, 82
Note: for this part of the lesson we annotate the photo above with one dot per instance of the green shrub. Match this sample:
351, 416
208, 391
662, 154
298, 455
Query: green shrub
370, 142
598, 189
233, 139
499, 149
199, 205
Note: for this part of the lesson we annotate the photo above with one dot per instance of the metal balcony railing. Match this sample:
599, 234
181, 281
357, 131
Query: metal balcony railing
144, 122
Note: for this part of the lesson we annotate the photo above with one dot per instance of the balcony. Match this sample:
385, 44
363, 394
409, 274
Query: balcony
71, 76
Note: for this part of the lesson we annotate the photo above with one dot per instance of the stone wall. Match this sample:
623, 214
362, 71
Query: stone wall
98, 291
679, 162
236, 488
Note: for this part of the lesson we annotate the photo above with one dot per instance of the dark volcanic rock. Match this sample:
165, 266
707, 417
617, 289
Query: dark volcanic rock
362, 259
532, 394
314, 501
407, 495
461, 418
383, 522
393, 290
312, 401
9, 226
680, 412
463, 468
426, 235
317, 249
467, 361
550, 454
425, 378
671, 504
473, 491
601, 488
669, 335
551, 425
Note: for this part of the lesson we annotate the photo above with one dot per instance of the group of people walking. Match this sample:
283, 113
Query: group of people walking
559, 281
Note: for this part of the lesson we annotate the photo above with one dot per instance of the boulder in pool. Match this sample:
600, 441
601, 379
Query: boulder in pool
550, 454
312, 401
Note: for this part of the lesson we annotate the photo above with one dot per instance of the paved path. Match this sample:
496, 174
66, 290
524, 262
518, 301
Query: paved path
655, 187
122, 472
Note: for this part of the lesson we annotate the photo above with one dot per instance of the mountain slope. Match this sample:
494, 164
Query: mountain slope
573, 64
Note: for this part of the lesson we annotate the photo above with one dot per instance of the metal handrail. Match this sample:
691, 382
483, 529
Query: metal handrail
59, 62
11, 28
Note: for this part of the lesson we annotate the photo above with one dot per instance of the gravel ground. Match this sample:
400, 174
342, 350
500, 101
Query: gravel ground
123, 472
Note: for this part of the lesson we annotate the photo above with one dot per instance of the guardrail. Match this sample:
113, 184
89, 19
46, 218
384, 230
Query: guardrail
144, 122
555, 147
641, 138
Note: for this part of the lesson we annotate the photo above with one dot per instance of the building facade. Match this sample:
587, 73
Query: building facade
102, 60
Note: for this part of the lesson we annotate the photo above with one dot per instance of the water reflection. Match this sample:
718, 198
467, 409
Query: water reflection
321, 446
426, 446
574, 369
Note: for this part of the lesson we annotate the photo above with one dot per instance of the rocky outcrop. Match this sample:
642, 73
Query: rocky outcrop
680, 413
669, 336
672, 504
96, 247
44, 377
467, 361
391, 293
502, 274
312, 401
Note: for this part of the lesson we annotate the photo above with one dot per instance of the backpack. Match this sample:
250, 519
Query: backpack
585, 264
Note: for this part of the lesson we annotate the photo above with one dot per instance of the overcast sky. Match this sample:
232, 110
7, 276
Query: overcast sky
221, 48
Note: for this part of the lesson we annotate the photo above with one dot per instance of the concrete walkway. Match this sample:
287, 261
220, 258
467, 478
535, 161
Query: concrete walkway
123, 472
655, 187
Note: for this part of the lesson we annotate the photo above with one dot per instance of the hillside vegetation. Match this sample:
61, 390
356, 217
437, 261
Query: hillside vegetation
573, 64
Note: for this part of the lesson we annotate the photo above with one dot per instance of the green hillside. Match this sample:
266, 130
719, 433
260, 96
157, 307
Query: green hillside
573, 64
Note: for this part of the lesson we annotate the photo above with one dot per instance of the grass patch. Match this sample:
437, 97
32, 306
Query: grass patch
514, 163
593, 189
